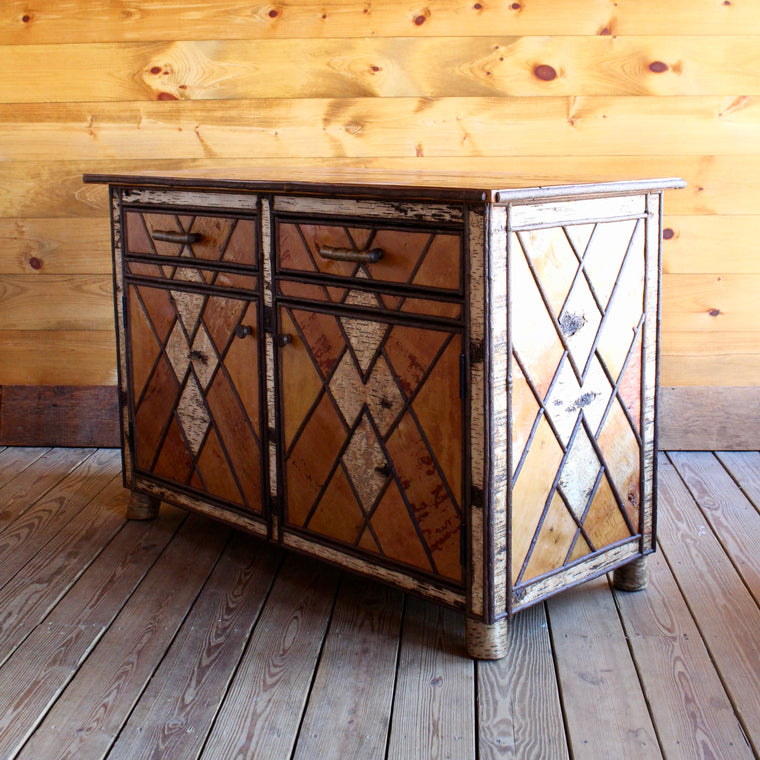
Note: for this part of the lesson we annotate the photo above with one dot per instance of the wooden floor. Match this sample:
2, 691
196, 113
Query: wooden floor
180, 639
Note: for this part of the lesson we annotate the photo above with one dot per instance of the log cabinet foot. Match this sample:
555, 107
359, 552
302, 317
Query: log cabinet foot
433, 381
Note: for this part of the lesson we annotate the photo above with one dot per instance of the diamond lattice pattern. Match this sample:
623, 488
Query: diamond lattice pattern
577, 305
372, 424
196, 408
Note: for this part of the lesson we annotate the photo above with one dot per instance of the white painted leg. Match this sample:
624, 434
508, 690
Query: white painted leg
631, 577
486, 641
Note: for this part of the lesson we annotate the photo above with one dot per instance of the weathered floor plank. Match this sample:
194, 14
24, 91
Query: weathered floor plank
16, 459
727, 616
731, 515
433, 712
692, 714
180, 639
605, 710
350, 702
176, 712
86, 720
262, 713
519, 713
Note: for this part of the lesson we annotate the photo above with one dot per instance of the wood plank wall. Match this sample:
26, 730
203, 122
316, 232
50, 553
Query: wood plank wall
544, 90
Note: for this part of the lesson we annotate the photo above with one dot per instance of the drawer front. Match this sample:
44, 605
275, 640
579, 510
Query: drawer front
185, 237
372, 253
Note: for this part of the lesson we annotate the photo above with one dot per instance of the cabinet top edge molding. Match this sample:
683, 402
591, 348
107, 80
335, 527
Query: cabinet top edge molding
452, 186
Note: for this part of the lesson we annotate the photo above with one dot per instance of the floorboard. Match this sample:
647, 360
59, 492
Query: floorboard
181, 639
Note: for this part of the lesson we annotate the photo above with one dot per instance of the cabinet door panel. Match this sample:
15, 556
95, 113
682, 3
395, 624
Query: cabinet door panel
195, 391
373, 446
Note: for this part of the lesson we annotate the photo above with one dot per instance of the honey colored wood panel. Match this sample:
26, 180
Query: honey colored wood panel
369, 127
715, 358
57, 357
56, 302
396, 66
54, 246
710, 303
717, 243
50, 22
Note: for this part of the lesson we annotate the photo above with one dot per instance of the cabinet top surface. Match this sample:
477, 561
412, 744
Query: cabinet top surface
451, 186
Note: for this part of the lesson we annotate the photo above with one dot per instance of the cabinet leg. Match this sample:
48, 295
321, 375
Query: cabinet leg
142, 507
631, 577
486, 641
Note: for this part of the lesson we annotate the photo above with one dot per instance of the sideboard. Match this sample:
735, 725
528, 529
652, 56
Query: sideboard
434, 381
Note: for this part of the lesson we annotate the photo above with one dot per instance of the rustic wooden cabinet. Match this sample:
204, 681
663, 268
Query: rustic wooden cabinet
436, 382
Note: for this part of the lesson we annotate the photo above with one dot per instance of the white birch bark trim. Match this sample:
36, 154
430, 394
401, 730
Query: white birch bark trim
387, 575
584, 570
423, 212
649, 367
477, 443
119, 295
497, 358
228, 516
579, 211
267, 249
191, 198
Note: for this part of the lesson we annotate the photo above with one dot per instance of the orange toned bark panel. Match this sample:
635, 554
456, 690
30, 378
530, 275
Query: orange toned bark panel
215, 471
308, 465
338, 515
604, 523
621, 452
396, 531
435, 513
323, 335
531, 491
411, 351
175, 461
439, 410
554, 541
156, 406
238, 435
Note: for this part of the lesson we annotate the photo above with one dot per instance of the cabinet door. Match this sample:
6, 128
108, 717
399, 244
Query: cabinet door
372, 420
195, 392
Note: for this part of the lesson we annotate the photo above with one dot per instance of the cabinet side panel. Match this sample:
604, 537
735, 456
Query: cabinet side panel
583, 341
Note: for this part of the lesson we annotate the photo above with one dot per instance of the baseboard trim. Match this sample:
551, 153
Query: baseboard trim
59, 415
709, 418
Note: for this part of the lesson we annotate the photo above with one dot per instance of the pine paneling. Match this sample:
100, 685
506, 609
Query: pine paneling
530, 66
97, 20
541, 92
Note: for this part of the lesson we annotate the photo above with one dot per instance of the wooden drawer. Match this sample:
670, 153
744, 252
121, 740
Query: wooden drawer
371, 253
182, 236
